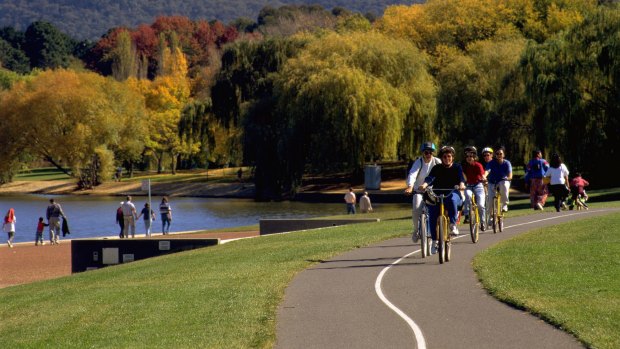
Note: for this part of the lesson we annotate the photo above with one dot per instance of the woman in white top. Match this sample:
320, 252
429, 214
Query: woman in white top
558, 185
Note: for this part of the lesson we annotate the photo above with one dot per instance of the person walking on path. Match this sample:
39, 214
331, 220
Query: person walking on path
53, 214
119, 219
558, 183
165, 211
536, 169
129, 218
149, 216
9, 226
365, 205
38, 239
351, 200
420, 168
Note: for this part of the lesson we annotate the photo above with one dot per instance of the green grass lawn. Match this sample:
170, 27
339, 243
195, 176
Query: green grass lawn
218, 297
41, 174
567, 274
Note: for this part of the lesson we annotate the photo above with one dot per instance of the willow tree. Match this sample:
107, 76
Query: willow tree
344, 100
73, 120
573, 84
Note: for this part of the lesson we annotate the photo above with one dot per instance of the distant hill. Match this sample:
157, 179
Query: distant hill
89, 19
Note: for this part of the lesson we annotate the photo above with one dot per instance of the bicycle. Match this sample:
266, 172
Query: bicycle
497, 215
423, 231
474, 217
443, 232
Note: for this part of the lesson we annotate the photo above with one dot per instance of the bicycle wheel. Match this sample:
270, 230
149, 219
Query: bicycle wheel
423, 239
441, 235
500, 223
448, 247
473, 223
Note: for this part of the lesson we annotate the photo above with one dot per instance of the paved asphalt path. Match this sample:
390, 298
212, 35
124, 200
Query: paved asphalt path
336, 303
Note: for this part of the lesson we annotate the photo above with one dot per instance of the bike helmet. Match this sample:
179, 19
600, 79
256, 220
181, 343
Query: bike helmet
487, 150
427, 146
446, 149
471, 149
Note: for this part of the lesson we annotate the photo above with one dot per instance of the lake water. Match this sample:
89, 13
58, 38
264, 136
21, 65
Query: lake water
95, 216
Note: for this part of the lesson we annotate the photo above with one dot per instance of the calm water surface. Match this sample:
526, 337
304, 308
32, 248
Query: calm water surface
96, 216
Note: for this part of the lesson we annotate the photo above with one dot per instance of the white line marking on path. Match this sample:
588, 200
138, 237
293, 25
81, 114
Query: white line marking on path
417, 332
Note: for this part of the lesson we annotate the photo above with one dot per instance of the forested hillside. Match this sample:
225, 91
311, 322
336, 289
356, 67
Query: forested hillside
307, 90
89, 19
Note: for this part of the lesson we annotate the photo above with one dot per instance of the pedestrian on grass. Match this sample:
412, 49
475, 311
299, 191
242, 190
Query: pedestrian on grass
165, 211
119, 219
9, 226
129, 218
38, 239
351, 200
149, 216
365, 205
53, 214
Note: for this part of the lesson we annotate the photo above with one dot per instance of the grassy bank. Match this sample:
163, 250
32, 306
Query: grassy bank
220, 297
567, 274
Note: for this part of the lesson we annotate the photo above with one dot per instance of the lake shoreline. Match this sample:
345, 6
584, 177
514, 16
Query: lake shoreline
390, 192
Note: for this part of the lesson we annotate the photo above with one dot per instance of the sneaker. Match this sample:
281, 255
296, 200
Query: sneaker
10, 244
482, 226
505, 208
415, 236
434, 247
453, 230
466, 219
540, 206
564, 207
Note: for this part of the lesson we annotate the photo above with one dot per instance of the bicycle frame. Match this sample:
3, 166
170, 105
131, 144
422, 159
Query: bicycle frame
498, 214
474, 216
443, 235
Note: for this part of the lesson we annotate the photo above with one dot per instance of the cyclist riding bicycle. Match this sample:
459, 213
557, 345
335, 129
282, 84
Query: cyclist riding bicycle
419, 170
487, 157
448, 175
499, 173
475, 176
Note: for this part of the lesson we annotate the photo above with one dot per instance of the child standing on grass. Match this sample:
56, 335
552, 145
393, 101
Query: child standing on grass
38, 239
9, 226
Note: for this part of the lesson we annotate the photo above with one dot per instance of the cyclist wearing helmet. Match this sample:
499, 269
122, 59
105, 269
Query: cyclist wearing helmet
475, 175
448, 175
487, 156
499, 173
419, 170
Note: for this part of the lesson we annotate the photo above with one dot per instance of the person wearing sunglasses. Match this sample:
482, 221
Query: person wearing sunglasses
475, 176
499, 173
419, 170
448, 175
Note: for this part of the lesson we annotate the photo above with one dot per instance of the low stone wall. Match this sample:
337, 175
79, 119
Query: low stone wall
88, 254
272, 226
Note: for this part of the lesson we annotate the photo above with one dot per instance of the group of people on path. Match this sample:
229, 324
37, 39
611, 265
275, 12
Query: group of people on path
53, 214
126, 217
470, 177
544, 177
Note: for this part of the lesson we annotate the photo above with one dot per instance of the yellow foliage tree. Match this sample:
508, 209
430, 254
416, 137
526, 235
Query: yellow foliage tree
68, 117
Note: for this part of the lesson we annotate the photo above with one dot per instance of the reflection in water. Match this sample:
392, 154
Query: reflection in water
95, 216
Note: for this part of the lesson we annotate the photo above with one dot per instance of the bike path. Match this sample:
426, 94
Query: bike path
334, 304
